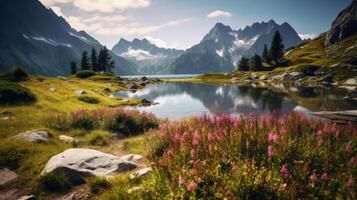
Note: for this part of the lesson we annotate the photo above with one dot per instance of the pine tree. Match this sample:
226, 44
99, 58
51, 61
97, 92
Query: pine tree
85, 61
105, 62
277, 48
94, 60
255, 63
265, 55
73, 67
243, 64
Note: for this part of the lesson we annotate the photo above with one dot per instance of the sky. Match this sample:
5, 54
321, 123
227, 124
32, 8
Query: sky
183, 23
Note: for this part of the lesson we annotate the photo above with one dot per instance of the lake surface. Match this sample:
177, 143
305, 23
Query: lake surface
181, 100
173, 76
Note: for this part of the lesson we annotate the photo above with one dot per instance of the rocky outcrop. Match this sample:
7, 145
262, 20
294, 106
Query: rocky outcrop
37, 136
344, 25
78, 163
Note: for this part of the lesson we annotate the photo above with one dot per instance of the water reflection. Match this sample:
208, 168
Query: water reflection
178, 100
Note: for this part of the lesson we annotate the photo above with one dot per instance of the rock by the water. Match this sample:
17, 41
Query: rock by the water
141, 173
7, 177
132, 157
143, 84
234, 79
27, 197
68, 139
351, 81
145, 101
80, 92
344, 25
33, 136
133, 87
78, 163
143, 78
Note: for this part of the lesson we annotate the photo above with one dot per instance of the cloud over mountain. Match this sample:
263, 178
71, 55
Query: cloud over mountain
219, 13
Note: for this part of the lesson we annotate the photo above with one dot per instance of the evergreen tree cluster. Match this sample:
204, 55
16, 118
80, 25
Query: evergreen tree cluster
275, 53
101, 62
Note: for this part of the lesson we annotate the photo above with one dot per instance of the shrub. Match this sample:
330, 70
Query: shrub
16, 75
270, 157
13, 93
12, 153
88, 99
96, 184
127, 122
55, 182
85, 74
99, 138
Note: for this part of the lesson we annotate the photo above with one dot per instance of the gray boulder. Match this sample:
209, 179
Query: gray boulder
80, 92
78, 163
351, 81
132, 157
38, 136
141, 173
7, 177
67, 139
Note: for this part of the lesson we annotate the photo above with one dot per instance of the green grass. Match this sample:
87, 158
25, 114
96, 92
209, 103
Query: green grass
14, 93
54, 182
98, 184
88, 99
98, 138
85, 74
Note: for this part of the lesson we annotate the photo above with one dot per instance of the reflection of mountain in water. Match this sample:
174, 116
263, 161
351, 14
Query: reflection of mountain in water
219, 99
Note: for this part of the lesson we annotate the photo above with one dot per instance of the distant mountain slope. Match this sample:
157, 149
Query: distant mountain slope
222, 47
36, 38
344, 25
147, 56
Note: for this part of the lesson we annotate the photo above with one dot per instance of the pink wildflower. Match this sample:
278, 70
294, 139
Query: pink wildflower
324, 177
348, 147
270, 151
247, 144
211, 137
319, 143
193, 153
314, 176
283, 131
181, 181
272, 137
196, 138
192, 186
350, 182
284, 170
319, 133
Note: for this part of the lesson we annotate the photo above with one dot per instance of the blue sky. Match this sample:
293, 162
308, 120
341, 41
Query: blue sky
183, 23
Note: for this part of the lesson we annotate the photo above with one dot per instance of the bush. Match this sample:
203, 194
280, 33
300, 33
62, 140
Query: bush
85, 74
55, 182
127, 122
96, 184
13, 93
99, 138
12, 153
88, 99
16, 75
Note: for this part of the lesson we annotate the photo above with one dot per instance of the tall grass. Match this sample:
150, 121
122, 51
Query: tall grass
255, 158
123, 121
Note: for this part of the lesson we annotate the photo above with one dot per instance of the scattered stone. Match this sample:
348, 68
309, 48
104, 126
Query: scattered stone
62, 77
328, 78
68, 139
264, 78
80, 92
248, 78
109, 85
234, 79
255, 76
6, 115
132, 157
133, 87
143, 78
37, 136
141, 173
78, 163
350, 88
7, 177
134, 189
52, 89
295, 75
146, 101
143, 84
27, 197
351, 81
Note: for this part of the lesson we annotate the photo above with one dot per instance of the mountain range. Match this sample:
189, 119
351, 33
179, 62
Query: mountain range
44, 43
222, 47
36, 38
148, 57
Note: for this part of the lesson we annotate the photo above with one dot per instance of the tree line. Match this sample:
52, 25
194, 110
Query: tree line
274, 53
101, 62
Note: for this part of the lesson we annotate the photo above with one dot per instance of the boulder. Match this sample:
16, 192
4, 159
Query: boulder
143, 78
68, 139
52, 89
132, 157
296, 75
7, 177
37, 136
133, 87
142, 83
27, 197
79, 163
264, 78
235, 79
141, 173
146, 101
80, 92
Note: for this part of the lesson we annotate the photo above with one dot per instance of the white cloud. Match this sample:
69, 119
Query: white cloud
57, 10
49, 3
141, 55
109, 6
219, 13
307, 36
